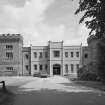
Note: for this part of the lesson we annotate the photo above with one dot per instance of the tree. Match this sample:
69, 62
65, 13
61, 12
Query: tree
94, 16
101, 59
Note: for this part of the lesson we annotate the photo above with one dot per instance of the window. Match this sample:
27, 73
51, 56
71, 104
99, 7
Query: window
9, 46
46, 54
77, 54
35, 54
66, 68
77, 66
72, 68
35, 67
40, 54
56, 53
26, 56
41, 67
9, 55
27, 67
72, 54
66, 54
9, 68
46, 67
86, 56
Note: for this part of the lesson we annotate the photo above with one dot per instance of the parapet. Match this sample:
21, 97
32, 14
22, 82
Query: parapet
11, 37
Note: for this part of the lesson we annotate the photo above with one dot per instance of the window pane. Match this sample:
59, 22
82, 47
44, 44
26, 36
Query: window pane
9, 55
72, 68
77, 66
9, 46
27, 67
66, 54
66, 68
72, 54
56, 53
35, 54
46, 54
40, 54
26, 56
35, 67
86, 55
77, 54
41, 67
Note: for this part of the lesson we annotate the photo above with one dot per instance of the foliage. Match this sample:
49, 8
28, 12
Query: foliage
101, 59
85, 74
94, 16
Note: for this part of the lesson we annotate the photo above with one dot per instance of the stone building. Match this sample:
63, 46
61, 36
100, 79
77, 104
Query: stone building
54, 59
11, 54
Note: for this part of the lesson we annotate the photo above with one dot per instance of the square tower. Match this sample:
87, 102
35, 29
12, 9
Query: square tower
11, 54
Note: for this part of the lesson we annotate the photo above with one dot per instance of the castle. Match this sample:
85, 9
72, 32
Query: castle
55, 58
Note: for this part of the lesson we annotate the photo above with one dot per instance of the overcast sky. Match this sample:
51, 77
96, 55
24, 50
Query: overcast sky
42, 20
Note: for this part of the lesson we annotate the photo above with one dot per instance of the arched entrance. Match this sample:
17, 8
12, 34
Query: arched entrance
56, 69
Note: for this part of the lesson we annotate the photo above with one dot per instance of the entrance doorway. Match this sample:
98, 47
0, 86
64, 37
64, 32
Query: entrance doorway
56, 69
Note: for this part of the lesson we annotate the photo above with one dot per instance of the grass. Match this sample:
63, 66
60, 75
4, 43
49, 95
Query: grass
92, 84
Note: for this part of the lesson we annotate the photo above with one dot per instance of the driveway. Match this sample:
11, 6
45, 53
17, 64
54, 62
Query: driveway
50, 91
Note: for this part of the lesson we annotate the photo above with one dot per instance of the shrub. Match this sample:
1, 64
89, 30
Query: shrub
84, 74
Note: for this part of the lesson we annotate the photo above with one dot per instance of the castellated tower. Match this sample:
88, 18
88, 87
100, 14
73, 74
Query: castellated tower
11, 54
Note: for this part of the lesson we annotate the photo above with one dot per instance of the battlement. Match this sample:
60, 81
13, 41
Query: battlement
11, 37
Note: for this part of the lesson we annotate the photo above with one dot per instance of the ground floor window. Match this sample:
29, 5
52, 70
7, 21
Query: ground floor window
66, 68
77, 66
46, 67
72, 68
35, 67
9, 68
40, 67
27, 67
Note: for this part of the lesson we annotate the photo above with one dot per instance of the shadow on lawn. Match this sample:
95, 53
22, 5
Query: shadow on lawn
90, 84
6, 97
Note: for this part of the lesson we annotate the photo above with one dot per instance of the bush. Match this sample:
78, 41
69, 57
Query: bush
89, 76
84, 74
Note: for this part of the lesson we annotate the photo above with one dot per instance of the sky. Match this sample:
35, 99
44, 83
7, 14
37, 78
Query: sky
42, 20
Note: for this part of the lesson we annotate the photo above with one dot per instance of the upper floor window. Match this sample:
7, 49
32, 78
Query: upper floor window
86, 55
35, 67
72, 54
66, 54
9, 46
66, 68
35, 54
77, 54
27, 57
56, 53
72, 68
46, 54
9, 55
40, 54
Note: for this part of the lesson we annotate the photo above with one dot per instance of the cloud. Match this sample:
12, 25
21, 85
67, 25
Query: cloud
28, 17
23, 19
16, 3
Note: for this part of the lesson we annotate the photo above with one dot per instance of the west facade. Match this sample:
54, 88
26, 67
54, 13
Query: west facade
54, 59
11, 54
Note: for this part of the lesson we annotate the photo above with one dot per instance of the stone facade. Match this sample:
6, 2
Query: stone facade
11, 54
54, 59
